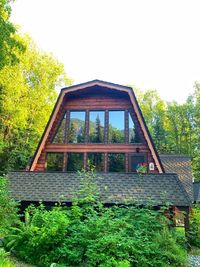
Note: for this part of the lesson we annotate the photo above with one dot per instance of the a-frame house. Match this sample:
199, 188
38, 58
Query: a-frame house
99, 123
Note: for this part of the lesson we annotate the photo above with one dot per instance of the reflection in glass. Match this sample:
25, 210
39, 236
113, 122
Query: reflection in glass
74, 161
96, 130
133, 134
77, 127
116, 127
54, 161
116, 162
59, 136
96, 160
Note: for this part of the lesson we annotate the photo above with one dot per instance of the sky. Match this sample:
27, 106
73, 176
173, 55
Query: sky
150, 44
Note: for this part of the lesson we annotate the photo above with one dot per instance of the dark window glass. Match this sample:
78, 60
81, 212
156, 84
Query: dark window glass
96, 160
137, 163
59, 136
54, 161
133, 133
74, 161
96, 130
77, 127
116, 127
116, 162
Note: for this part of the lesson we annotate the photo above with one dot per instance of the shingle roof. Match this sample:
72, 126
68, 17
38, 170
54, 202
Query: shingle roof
114, 187
196, 188
181, 165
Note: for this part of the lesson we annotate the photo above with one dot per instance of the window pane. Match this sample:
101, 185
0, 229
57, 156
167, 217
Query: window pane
133, 134
59, 136
77, 127
96, 130
116, 127
138, 163
96, 160
54, 161
116, 162
75, 161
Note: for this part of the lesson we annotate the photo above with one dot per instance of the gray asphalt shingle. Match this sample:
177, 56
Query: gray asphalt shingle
113, 187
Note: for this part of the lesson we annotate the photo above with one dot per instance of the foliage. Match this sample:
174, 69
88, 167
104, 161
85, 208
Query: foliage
4, 261
40, 234
10, 46
116, 236
8, 208
175, 128
194, 234
27, 96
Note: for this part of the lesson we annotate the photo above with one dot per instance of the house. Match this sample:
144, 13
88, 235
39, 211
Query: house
100, 123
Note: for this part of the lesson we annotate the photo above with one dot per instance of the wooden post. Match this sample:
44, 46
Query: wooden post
186, 220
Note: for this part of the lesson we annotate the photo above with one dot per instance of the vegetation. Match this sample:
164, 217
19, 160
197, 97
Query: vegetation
194, 234
8, 208
10, 45
175, 128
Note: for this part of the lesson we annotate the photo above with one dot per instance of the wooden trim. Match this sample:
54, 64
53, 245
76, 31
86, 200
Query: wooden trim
121, 148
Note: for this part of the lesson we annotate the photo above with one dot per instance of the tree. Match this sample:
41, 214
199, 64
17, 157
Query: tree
98, 131
154, 111
27, 96
9, 43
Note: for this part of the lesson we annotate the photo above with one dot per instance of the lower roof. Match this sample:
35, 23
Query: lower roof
181, 165
155, 189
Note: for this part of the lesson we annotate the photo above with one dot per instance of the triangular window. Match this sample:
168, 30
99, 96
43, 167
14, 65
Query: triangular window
60, 132
134, 136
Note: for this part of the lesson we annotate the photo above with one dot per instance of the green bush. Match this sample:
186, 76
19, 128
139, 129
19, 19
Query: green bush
194, 233
4, 261
40, 234
8, 208
116, 236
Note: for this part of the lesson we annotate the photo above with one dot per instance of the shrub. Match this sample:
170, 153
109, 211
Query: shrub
194, 233
40, 234
116, 236
8, 208
4, 261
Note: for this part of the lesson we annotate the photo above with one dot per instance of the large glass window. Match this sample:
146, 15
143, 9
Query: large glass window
116, 162
59, 136
96, 160
133, 133
54, 161
74, 161
116, 127
96, 126
77, 127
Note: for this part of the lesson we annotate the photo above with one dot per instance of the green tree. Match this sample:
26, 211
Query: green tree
10, 45
27, 96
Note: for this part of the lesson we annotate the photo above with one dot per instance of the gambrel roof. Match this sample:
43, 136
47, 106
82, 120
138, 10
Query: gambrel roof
97, 84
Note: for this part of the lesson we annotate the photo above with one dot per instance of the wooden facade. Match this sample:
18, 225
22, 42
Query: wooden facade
97, 96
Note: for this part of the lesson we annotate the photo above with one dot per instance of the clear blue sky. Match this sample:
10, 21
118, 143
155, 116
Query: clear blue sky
152, 44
